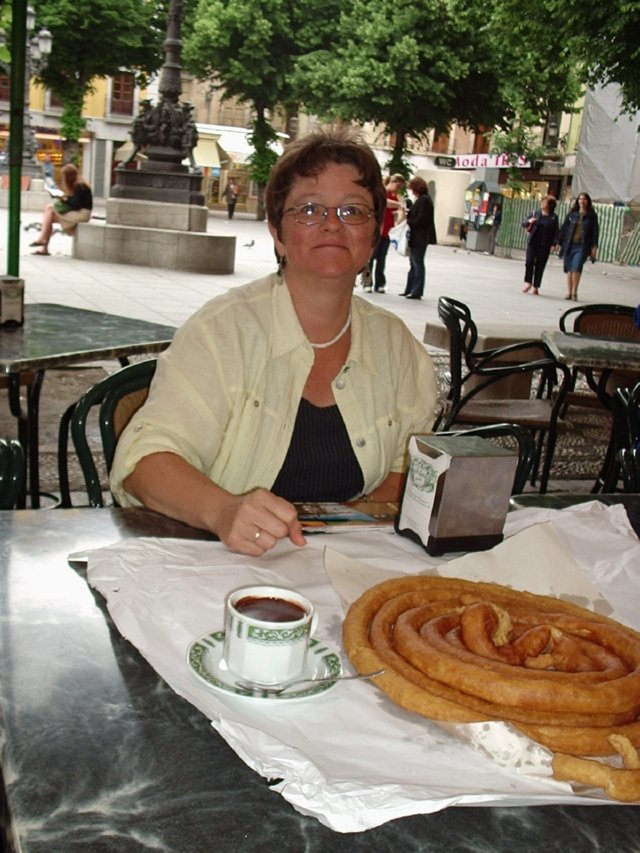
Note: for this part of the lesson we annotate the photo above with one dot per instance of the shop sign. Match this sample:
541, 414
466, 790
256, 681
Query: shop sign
488, 161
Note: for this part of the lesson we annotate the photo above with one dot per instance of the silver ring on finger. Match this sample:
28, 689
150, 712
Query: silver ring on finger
258, 534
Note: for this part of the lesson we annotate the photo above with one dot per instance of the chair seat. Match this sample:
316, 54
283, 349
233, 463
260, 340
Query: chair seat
534, 414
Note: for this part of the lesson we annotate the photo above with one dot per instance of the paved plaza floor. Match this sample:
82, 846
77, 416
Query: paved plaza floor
490, 285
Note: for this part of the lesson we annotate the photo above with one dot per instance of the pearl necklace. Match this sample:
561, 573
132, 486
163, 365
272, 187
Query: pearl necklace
335, 340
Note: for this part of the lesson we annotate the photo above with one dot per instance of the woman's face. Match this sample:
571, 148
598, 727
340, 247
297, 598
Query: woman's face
583, 202
331, 248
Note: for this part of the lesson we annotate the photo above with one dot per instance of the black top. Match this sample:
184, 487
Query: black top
81, 198
544, 231
320, 464
420, 218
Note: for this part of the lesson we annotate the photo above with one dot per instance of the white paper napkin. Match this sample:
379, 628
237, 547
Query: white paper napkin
349, 757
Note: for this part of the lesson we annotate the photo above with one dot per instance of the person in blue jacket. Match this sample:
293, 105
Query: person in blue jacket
578, 241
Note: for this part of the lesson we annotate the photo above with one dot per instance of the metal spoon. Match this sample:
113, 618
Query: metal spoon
277, 689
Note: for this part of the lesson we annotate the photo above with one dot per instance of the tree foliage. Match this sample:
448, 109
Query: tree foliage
247, 48
412, 66
604, 38
417, 65
98, 38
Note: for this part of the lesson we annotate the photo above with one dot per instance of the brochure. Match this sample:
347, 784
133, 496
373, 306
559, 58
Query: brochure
341, 517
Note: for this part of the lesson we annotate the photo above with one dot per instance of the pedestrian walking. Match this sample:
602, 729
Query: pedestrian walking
578, 241
496, 222
543, 228
231, 197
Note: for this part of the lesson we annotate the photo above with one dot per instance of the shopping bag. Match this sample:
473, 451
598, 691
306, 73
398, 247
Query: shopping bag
399, 238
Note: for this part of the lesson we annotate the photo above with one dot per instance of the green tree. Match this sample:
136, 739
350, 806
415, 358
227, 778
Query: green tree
539, 75
417, 65
392, 63
603, 38
93, 39
245, 47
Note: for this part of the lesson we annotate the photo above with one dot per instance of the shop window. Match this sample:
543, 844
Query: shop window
5, 88
122, 94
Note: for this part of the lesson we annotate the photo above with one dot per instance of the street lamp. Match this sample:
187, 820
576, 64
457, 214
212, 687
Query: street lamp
38, 47
29, 53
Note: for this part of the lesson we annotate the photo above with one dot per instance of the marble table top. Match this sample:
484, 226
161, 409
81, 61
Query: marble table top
58, 334
592, 352
99, 754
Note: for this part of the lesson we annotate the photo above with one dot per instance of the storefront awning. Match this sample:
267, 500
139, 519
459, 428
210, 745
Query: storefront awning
206, 153
492, 187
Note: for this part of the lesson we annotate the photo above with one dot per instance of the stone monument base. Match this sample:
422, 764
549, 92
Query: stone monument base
155, 247
142, 214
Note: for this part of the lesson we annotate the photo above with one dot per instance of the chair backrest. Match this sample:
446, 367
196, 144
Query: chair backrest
605, 321
118, 397
463, 336
526, 448
11, 472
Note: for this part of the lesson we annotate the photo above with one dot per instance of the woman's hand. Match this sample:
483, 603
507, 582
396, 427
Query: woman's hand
167, 483
253, 523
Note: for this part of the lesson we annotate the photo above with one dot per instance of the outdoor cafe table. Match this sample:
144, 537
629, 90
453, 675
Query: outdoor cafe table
592, 355
56, 336
99, 754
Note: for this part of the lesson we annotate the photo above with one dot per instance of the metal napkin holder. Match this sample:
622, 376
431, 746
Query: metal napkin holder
456, 494
11, 301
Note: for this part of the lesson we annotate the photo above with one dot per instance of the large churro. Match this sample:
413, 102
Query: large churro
464, 652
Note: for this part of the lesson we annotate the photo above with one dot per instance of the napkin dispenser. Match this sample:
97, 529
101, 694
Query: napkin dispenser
11, 301
456, 494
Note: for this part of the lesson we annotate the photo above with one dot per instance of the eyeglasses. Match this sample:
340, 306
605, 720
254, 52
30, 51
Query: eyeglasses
312, 213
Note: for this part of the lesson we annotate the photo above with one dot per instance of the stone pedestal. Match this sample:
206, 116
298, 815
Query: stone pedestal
155, 247
154, 180
140, 214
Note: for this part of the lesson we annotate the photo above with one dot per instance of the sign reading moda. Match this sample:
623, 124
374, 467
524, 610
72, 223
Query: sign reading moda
481, 161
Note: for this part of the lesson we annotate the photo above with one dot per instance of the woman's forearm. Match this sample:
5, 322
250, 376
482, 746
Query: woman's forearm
167, 483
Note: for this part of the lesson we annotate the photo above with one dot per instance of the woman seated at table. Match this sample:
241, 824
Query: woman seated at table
74, 206
289, 388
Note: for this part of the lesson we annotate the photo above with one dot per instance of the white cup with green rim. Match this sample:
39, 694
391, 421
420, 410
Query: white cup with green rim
267, 632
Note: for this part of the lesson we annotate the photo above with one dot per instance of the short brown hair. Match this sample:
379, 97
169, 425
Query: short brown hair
551, 202
310, 155
418, 185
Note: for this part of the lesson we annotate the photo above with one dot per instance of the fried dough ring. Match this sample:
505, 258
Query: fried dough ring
605, 654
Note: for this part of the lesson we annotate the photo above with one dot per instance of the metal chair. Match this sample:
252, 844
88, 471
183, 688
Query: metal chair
526, 448
603, 321
625, 438
11, 472
541, 414
117, 397
630, 469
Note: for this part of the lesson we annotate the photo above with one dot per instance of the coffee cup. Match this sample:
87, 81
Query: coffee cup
267, 631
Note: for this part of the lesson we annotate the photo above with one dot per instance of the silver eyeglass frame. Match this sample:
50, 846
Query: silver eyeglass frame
298, 207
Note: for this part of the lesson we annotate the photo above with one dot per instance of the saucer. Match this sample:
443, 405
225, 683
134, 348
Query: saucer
204, 659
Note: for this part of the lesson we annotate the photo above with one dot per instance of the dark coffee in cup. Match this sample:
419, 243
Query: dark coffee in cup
270, 609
